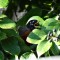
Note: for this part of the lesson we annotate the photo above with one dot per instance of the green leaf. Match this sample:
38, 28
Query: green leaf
55, 49
58, 32
3, 3
23, 46
49, 23
43, 47
2, 35
2, 16
11, 32
52, 23
58, 26
10, 46
1, 55
28, 56
6, 23
39, 19
36, 36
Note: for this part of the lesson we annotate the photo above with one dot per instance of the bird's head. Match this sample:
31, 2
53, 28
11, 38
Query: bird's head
32, 24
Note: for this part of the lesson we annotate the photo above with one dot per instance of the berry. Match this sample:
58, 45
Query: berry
55, 39
50, 34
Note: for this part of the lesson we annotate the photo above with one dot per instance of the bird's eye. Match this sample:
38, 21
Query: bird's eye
33, 21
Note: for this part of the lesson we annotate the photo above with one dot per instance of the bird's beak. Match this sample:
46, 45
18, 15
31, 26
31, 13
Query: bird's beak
36, 24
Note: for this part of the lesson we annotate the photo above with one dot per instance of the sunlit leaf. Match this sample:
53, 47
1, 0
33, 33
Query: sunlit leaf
2, 16
28, 56
58, 32
36, 36
50, 23
6, 23
43, 47
3, 3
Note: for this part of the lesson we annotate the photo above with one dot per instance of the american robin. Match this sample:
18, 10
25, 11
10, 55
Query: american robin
25, 30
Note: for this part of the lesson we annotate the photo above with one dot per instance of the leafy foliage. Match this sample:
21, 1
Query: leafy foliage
12, 46
44, 40
3, 3
2, 36
6, 23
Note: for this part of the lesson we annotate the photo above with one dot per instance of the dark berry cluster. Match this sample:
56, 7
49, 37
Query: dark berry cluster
54, 35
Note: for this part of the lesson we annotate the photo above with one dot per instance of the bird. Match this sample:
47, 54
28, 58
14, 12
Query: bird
24, 31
